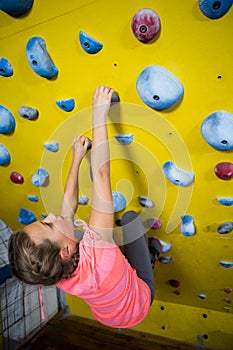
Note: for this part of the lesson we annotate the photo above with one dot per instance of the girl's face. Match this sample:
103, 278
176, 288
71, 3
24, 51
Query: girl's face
54, 228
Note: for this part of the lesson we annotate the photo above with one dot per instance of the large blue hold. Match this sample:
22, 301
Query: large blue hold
40, 178
214, 9
119, 201
7, 121
176, 175
158, 88
187, 225
66, 105
89, 44
6, 69
16, 8
39, 59
5, 157
26, 216
217, 130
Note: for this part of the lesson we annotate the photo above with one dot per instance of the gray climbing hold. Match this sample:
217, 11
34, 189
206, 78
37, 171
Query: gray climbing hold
176, 175
158, 88
124, 139
40, 178
83, 200
5, 157
39, 59
52, 146
29, 113
26, 216
145, 202
7, 121
165, 259
226, 227
187, 225
6, 69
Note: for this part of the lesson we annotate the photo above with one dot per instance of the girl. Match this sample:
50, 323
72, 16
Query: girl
118, 288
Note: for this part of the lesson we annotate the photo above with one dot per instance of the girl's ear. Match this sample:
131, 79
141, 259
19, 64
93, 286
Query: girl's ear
66, 252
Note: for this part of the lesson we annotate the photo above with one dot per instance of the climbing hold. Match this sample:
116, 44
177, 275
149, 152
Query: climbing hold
118, 222
174, 283
225, 201
228, 300
152, 223
89, 144
228, 290
52, 146
226, 264
226, 227
89, 44
33, 198
224, 170
214, 9
66, 105
16, 177
146, 25
119, 201
115, 98
202, 296
158, 88
6, 69
5, 157
16, 8
124, 139
166, 247
177, 292
40, 178
39, 59
145, 202
217, 130
187, 225
83, 200
28, 112
7, 121
165, 259
26, 216
176, 175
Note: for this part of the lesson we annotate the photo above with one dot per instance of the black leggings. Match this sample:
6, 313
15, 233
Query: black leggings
136, 248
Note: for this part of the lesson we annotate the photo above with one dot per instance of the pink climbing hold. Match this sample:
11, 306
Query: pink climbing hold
228, 300
152, 223
146, 25
228, 290
17, 178
224, 170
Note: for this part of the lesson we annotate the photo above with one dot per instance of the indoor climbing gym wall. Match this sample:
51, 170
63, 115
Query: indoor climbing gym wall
170, 129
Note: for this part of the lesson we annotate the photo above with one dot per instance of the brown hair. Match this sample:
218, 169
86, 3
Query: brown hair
39, 264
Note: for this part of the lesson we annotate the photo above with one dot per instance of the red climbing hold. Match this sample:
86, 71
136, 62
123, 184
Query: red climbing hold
174, 283
224, 170
16, 178
146, 25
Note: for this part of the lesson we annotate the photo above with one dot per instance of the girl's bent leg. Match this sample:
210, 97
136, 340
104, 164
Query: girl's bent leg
136, 248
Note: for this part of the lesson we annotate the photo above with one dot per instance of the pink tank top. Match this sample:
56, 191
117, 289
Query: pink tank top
107, 283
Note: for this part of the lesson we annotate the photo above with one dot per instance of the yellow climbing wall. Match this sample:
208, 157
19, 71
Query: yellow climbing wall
199, 52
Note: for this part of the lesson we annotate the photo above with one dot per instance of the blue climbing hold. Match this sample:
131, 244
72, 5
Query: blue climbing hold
226, 264
52, 146
145, 202
66, 105
166, 247
39, 59
214, 9
124, 139
7, 121
6, 69
226, 227
83, 200
202, 296
33, 198
176, 175
26, 216
5, 157
217, 130
89, 44
187, 225
28, 113
40, 178
119, 201
225, 201
158, 88
165, 259
16, 8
